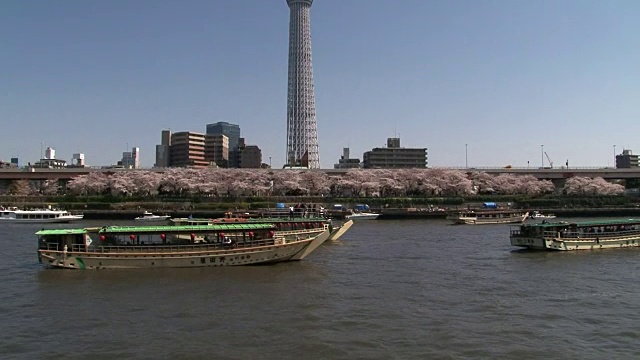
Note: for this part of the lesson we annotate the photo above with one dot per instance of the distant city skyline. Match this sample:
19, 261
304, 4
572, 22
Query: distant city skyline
479, 83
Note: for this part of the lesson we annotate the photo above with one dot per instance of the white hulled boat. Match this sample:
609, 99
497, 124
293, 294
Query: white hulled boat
150, 217
538, 215
362, 216
14, 215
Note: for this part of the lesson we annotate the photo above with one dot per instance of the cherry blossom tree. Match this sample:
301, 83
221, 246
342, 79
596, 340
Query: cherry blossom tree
94, 183
287, 183
317, 182
483, 182
354, 182
21, 188
389, 185
50, 187
588, 186
456, 183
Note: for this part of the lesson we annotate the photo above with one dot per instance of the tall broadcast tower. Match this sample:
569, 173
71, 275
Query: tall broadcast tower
302, 134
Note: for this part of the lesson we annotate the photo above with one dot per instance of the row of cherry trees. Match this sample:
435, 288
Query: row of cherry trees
357, 182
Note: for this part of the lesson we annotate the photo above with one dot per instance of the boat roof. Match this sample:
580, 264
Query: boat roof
158, 229
245, 220
608, 222
181, 228
62, 231
489, 211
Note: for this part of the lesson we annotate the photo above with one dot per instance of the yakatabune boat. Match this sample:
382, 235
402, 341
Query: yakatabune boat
587, 235
287, 227
166, 246
478, 217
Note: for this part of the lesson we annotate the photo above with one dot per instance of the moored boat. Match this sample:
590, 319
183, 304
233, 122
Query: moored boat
14, 215
479, 217
362, 216
586, 235
165, 246
151, 217
285, 226
537, 215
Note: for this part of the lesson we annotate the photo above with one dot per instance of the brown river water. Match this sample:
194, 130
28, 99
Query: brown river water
387, 290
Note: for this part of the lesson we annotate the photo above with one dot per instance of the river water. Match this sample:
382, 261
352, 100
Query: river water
387, 290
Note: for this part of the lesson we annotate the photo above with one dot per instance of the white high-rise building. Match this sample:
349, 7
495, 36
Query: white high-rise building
131, 160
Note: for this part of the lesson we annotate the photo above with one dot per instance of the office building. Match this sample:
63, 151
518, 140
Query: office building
187, 150
250, 156
216, 149
395, 157
131, 159
163, 150
232, 132
77, 160
627, 160
50, 161
345, 162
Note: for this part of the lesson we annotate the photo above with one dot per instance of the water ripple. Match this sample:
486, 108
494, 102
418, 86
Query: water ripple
386, 290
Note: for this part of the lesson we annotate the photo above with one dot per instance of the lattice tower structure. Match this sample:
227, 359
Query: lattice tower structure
302, 133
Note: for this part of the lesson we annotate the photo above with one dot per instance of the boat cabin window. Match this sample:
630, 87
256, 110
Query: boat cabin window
58, 242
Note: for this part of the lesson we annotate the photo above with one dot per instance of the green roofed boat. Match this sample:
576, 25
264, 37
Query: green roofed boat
586, 235
288, 227
220, 244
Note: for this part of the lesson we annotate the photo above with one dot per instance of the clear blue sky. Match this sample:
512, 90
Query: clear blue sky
504, 77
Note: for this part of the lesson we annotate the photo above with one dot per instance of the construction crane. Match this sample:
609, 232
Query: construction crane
549, 159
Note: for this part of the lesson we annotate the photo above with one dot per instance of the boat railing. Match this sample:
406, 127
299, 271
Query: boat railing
159, 248
49, 246
301, 232
590, 236
298, 213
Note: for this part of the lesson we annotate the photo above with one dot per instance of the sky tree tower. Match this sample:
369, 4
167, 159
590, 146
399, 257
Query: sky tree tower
302, 134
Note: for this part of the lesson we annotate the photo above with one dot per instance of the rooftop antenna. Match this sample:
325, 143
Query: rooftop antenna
40, 149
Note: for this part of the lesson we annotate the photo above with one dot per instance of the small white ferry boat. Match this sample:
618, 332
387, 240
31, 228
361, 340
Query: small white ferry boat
150, 217
362, 216
362, 212
536, 215
14, 215
586, 235
480, 217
